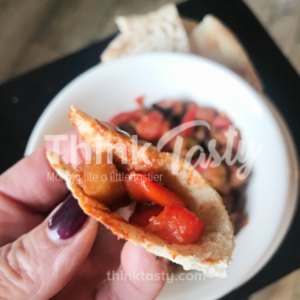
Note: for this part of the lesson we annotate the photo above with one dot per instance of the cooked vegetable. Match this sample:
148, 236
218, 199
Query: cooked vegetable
168, 114
100, 181
141, 189
152, 126
206, 114
221, 122
141, 215
177, 225
125, 117
189, 117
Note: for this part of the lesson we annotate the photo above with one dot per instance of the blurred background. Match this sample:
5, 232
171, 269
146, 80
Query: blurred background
35, 32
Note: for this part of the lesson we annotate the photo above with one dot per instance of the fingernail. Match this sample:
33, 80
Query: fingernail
164, 262
67, 220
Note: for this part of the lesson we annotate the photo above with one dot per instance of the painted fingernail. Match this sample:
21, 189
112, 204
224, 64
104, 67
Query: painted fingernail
67, 220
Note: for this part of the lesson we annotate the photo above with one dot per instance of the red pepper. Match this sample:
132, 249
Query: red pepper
141, 189
188, 117
221, 122
152, 126
177, 225
124, 118
140, 101
142, 216
205, 114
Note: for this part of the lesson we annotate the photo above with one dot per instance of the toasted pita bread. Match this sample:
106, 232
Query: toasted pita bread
211, 254
188, 25
160, 30
213, 40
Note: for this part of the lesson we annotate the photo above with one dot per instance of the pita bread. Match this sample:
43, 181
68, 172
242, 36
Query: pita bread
213, 40
211, 254
188, 25
160, 30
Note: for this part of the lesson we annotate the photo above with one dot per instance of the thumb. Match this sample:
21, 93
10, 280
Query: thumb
39, 264
141, 276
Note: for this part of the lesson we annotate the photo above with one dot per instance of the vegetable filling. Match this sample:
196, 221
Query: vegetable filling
158, 210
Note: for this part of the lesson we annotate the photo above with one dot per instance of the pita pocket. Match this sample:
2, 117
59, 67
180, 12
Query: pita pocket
160, 30
211, 253
213, 40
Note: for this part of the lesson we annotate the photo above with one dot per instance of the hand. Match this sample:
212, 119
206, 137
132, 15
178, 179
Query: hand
63, 254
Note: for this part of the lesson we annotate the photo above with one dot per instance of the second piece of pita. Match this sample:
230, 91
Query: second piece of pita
161, 30
213, 40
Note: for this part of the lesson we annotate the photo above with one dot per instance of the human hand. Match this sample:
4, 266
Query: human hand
52, 250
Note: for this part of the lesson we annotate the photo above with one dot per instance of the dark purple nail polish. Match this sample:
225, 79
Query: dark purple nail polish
67, 220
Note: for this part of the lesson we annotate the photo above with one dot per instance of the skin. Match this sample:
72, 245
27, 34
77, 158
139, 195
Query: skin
33, 266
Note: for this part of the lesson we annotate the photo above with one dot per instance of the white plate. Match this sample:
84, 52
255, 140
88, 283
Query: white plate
106, 90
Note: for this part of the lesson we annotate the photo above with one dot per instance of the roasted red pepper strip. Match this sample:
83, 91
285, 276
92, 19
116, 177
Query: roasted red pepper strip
134, 186
152, 126
141, 189
221, 122
188, 117
140, 100
125, 117
142, 216
177, 225
206, 114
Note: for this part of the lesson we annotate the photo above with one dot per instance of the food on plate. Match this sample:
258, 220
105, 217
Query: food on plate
152, 124
178, 216
142, 189
163, 30
176, 224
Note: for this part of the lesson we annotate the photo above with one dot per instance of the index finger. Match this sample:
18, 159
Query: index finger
32, 181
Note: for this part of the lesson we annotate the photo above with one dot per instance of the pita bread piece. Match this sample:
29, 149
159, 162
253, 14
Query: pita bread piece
213, 40
211, 253
160, 30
